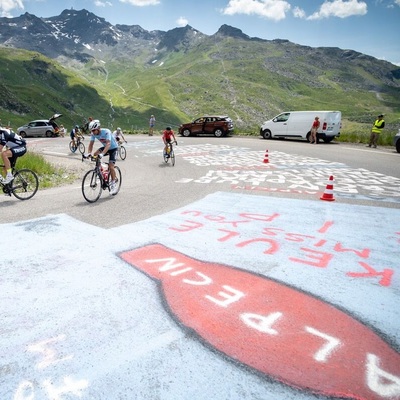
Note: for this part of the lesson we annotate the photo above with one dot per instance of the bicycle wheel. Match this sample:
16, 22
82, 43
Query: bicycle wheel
25, 184
118, 179
91, 186
81, 148
167, 154
72, 146
122, 152
172, 155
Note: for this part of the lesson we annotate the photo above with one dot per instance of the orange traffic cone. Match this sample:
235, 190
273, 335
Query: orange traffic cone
266, 160
328, 194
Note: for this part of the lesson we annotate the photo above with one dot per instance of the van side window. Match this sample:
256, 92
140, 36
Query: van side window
282, 117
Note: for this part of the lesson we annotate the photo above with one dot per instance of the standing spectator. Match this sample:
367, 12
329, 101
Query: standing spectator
85, 126
62, 131
152, 124
314, 131
377, 128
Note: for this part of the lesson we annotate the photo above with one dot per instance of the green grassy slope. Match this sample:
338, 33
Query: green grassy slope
250, 81
35, 87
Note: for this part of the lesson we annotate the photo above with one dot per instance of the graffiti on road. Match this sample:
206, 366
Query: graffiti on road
286, 173
285, 298
271, 327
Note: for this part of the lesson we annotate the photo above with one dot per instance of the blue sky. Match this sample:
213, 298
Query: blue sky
370, 27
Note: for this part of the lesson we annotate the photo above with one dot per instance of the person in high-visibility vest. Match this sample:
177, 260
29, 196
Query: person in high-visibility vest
377, 128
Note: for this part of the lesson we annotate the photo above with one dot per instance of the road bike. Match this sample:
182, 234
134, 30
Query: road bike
77, 144
121, 151
24, 185
98, 179
170, 154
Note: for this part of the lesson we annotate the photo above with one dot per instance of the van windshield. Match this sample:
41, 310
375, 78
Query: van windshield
282, 117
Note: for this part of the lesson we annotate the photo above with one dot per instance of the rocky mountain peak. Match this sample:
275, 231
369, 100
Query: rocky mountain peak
83, 26
227, 30
179, 37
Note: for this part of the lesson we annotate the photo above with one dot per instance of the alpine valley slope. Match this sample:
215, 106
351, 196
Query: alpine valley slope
78, 64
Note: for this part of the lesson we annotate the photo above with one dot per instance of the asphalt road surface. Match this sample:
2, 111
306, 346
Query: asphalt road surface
205, 165
242, 272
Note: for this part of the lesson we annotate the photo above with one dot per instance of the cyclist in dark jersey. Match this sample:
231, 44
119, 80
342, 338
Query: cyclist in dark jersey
74, 134
12, 146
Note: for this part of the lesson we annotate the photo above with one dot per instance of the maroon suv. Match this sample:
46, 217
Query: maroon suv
217, 125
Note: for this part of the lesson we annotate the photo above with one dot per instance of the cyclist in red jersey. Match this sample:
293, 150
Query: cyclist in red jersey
167, 137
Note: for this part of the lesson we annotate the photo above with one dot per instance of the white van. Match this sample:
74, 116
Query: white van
297, 124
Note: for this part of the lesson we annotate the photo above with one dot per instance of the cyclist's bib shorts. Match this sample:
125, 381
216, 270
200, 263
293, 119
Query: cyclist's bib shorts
112, 153
16, 152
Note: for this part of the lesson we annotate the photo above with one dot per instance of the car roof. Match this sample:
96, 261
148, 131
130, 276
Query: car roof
213, 116
47, 121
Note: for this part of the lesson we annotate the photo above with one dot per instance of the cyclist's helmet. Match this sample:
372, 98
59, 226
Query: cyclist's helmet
168, 128
76, 126
95, 124
118, 129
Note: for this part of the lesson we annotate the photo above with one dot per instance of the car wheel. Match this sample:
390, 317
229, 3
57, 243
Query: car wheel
186, 133
398, 146
308, 137
267, 134
49, 133
218, 132
22, 134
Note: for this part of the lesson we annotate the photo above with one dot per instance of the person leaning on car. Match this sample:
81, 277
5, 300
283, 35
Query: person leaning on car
377, 128
62, 131
314, 131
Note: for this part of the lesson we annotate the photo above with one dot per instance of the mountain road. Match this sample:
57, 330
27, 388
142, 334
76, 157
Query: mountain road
251, 269
207, 164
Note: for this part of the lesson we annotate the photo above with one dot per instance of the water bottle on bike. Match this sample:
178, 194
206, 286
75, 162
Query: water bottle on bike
104, 171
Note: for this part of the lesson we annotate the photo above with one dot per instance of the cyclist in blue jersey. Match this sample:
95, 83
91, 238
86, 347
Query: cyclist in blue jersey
109, 148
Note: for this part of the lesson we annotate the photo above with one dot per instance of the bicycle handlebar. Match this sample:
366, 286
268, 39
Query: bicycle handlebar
90, 158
